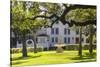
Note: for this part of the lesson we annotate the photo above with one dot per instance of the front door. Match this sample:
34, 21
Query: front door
42, 41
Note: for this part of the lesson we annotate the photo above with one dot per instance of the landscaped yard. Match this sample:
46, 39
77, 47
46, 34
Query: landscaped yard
51, 57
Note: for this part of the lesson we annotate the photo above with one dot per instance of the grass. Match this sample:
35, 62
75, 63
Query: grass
51, 57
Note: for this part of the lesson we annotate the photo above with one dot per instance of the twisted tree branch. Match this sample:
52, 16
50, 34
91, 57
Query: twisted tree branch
62, 17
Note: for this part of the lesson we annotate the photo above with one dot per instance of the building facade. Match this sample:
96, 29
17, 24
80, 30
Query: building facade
58, 34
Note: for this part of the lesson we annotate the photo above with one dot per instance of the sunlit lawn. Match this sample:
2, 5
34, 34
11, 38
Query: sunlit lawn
51, 57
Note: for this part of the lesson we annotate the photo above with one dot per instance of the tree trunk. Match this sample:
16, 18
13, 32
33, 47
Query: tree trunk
24, 49
80, 44
34, 38
35, 47
91, 39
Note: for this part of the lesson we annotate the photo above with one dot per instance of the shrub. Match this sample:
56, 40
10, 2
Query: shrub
32, 49
72, 47
16, 50
52, 48
76, 47
29, 49
86, 47
39, 49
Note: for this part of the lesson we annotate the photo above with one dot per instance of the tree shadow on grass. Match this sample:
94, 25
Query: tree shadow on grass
24, 58
15, 63
85, 58
82, 58
93, 55
86, 61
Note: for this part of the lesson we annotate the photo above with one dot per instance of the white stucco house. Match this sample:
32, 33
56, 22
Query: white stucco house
59, 33
48, 37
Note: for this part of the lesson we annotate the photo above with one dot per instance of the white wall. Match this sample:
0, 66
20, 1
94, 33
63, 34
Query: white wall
43, 42
60, 36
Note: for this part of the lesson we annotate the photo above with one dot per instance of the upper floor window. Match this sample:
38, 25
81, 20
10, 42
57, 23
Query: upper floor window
69, 31
65, 31
52, 30
57, 30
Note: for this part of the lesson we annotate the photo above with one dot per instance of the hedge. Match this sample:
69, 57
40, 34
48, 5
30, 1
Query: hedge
72, 47
67, 47
76, 47
19, 50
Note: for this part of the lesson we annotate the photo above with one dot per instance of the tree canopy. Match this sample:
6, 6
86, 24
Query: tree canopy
30, 16
25, 14
62, 12
80, 15
20, 11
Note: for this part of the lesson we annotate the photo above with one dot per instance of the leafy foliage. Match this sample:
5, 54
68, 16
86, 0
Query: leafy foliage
21, 11
80, 15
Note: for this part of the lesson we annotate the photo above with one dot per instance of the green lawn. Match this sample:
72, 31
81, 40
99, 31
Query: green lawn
51, 57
